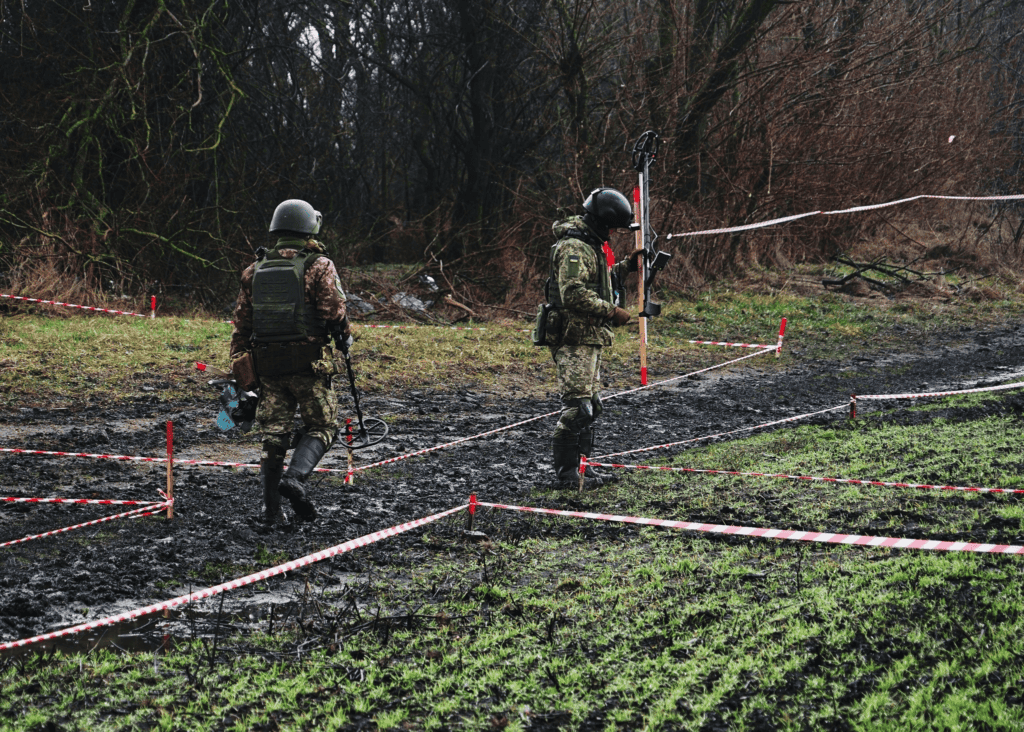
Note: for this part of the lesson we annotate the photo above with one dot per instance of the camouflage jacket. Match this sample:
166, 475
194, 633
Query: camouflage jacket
581, 284
322, 288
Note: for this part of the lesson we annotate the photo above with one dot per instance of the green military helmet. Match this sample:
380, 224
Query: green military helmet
609, 207
297, 216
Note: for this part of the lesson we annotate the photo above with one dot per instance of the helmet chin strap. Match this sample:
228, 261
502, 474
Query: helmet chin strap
596, 225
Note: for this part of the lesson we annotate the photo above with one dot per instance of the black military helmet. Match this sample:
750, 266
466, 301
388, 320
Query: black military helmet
297, 216
609, 207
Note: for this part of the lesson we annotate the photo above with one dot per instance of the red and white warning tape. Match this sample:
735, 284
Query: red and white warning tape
723, 434
138, 512
417, 325
770, 349
745, 227
855, 209
979, 390
733, 345
236, 583
871, 207
58, 453
851, 539
814, 478
69, 305
97, 501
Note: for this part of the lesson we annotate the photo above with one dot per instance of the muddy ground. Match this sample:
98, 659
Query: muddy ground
91, 573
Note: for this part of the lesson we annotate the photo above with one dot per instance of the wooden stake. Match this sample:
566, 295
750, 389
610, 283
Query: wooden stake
170, 468
351, 457
782, 332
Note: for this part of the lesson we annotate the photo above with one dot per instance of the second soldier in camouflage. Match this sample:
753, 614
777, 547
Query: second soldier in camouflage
580, 324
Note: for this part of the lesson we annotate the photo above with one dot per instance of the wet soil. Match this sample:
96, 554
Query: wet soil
105, 569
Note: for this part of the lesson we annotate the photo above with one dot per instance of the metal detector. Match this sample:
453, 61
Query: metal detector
371, 429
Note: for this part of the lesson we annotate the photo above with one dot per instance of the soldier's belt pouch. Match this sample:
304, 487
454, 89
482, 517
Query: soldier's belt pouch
540, 326
244, 371
282, 359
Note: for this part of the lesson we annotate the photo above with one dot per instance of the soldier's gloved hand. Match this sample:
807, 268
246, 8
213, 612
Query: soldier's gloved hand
344, 343
632, 257
619, 317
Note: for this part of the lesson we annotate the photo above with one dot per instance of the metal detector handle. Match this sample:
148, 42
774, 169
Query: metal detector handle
352, 385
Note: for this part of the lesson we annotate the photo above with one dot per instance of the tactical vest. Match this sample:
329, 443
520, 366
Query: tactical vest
599, 284
279, 310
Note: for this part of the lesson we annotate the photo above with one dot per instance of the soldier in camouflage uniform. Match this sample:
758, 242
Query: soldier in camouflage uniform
290, 303
580, 288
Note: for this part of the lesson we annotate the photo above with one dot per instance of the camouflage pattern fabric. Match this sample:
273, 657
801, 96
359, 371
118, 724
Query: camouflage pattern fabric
584, 285
322, 288
579, 377
314, 396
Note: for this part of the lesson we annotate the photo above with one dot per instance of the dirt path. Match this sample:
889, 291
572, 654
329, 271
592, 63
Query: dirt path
58, 581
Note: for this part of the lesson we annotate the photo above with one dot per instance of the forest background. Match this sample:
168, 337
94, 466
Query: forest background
146, 143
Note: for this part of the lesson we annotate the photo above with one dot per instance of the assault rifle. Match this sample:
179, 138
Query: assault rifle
645, 152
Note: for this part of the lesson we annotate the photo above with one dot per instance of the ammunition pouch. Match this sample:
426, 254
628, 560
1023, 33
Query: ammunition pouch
547, 329
283, 359
244, 371
540, 325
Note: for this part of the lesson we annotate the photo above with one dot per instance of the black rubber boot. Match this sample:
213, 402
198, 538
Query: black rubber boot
567, 460
293, 484
271, 467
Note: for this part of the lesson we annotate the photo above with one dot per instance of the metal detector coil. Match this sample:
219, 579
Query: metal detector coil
371, 431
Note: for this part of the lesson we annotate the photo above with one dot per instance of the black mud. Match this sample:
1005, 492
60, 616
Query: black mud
63, 580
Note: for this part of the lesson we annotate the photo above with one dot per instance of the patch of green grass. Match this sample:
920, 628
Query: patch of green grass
62, 361
271, 559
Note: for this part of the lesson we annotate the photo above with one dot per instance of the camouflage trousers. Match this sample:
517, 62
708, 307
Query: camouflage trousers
314, 396
579, 379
